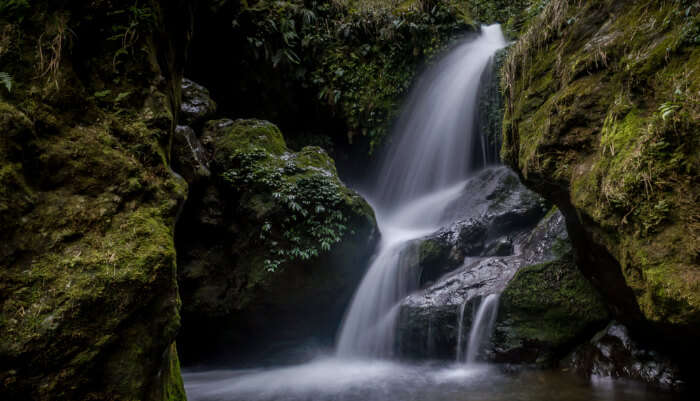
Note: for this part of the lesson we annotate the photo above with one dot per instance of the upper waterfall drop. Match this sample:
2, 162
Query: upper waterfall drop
433, 139
421, 174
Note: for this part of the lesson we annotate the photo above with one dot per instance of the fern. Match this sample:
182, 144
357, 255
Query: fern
667, 109
6, 80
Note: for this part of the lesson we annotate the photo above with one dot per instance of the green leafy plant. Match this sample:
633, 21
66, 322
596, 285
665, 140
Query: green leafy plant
667, 109
357, 57
130, 24
6, 81
14, 9
306, 215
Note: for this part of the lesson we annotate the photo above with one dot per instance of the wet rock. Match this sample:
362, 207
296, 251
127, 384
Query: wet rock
612, 353
495, 208
429, 319
435, 256
189, 157
548, 241
470, 236
197, 105
499, 247
544, 309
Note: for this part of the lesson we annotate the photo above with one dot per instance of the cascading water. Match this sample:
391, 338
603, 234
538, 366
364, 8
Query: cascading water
460, 322
421, 174
482, 326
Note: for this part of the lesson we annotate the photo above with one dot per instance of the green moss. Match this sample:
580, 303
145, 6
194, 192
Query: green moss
248, 135
87, 206
548, 306
433, 251
174, 386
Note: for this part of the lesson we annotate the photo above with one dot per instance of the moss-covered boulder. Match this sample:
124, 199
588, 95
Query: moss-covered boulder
273, 240
603, 118
89, 307
543, 311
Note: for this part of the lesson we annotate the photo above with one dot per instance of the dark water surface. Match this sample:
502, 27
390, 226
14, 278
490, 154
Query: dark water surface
335, 379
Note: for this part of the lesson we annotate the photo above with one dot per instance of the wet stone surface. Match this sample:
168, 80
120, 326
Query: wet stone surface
612, 353
478, 255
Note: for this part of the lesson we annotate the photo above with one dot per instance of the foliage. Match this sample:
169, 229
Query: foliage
602, 112
306, 218
130, 24
14, 9
359, 58
53, 42
6, 81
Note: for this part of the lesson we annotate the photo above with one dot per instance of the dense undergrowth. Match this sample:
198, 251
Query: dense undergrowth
321, 66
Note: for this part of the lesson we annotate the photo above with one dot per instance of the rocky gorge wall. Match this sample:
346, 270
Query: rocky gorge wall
89, 305
602, 118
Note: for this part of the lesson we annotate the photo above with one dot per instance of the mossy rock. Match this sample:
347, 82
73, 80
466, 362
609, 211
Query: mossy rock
602, 117
89, 306
275, 235
544, 309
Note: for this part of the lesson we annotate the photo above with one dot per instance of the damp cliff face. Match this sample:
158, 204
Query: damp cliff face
89, 307
603, 118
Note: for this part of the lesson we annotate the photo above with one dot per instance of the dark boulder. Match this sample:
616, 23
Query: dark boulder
459, 265
197, 105
612, 353
189, 157
494, 209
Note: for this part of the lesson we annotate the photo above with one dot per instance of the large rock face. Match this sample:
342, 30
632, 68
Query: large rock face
602, 118
273, 244
89, 307
504, 232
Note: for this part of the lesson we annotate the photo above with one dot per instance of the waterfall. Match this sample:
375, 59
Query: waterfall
460, 321
482, 326
422, 172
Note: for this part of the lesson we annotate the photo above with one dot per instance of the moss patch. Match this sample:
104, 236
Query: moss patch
546, 308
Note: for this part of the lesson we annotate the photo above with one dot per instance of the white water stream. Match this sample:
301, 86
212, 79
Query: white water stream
422, 173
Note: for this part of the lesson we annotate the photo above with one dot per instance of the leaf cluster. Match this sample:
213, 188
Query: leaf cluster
303, 209
358, 62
